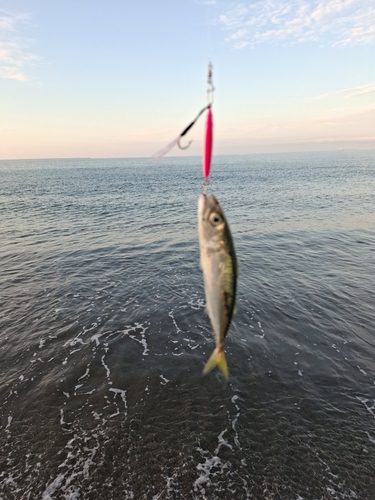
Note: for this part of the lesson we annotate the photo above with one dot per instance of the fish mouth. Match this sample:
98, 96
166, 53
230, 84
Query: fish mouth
202, 202
212, 203
206, 205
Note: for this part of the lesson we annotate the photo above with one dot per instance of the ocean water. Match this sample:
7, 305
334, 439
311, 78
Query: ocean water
104, 334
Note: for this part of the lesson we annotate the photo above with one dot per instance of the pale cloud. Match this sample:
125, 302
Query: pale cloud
14, 53
238, 34
335, 22
368, 88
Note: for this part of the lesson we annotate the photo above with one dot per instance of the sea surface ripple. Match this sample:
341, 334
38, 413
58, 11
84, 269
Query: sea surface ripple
103, 330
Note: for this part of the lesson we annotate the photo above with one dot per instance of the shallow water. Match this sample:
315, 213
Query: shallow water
103, 330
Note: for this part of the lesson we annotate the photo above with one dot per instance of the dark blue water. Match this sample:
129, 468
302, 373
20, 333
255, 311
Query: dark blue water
104, 335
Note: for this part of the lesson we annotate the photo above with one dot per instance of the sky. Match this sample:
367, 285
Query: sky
122, 78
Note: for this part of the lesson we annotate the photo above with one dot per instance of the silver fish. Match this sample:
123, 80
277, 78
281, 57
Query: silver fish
219, 266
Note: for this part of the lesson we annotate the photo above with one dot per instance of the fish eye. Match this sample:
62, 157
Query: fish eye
215, 218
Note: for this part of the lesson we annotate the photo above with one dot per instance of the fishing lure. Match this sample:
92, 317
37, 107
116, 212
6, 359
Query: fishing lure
207, 152
209, 126
208, 145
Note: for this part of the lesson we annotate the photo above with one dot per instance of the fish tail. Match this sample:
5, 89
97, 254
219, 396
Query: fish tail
217, 358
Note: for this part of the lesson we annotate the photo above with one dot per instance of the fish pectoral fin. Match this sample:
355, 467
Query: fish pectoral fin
217, 358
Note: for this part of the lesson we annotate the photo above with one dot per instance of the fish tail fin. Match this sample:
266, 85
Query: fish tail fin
217, 358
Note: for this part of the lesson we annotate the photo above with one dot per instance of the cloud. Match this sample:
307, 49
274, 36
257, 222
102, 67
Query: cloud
368, 88
14, 54
335, 22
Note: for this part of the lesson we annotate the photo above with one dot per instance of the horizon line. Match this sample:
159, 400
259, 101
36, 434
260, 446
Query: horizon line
181, 156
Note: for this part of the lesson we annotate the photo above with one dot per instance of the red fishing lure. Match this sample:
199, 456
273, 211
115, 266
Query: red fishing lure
207, 154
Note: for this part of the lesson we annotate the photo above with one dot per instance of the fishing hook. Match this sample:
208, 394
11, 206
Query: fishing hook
183, 147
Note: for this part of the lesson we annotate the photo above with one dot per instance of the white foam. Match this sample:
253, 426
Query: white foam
222, 442
69, 443
196, 304
170, 488
10, 418
205, 471
85, 374
81, 451
234, 421
53, 487
73, 495
95, 338
370, 409
106, 367
115, 414
77, 339
335, 347
362, 371
165, 380
123, 397
142, 331
10, 480
261, 329
170, 314
192, 347
213, 465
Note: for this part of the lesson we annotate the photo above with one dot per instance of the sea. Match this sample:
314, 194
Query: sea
104, 332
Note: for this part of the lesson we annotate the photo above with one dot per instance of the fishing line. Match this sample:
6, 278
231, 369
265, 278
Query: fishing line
208, 140
208, 34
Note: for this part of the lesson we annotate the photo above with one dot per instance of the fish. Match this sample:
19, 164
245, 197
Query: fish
219, 266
